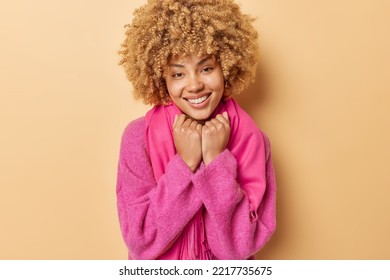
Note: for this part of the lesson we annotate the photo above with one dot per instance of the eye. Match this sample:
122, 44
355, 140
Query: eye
177, 75
207, 69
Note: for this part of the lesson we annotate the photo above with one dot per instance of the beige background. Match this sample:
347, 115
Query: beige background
322, 96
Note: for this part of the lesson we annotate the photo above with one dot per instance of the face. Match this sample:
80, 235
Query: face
195, 84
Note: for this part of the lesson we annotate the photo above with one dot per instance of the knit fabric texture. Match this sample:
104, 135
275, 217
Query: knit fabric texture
156, 215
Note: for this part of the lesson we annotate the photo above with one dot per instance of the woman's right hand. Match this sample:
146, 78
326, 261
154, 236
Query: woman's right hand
187, 137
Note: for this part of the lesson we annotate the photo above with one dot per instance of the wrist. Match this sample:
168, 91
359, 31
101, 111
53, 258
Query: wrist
193, 166
209, 158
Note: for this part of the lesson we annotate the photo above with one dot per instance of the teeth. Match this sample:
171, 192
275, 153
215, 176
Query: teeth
197, 100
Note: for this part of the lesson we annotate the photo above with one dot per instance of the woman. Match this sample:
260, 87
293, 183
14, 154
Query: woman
195, 177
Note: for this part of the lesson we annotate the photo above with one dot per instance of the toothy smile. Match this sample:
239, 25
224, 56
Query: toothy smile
197, 100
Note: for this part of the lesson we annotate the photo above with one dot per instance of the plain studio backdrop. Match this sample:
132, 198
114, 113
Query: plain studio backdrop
321, 95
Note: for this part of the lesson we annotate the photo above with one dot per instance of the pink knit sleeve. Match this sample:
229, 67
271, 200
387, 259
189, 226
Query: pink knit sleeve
231, 231
151, 214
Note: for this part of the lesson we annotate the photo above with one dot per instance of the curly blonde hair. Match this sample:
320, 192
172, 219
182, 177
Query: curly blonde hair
162, 29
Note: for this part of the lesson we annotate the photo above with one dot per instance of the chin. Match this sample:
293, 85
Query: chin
200, 117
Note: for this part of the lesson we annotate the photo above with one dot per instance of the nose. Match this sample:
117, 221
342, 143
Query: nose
195, 84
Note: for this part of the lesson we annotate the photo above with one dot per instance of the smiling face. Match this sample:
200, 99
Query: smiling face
195, 84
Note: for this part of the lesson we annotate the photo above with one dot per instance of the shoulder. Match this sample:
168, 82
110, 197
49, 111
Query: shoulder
134, 135
135, 129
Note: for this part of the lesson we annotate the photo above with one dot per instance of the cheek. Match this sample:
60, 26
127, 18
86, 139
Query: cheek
218, 85
217, 81
173, 89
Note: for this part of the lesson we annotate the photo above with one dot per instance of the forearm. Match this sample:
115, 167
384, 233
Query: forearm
232, 232
151, 213
152, 216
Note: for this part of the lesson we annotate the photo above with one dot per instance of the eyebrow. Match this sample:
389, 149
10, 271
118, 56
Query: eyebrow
197, 64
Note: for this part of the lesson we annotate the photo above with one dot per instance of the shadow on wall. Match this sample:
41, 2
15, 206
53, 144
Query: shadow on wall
252, 101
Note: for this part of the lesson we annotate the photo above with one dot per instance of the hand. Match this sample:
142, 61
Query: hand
215, 137
187, 137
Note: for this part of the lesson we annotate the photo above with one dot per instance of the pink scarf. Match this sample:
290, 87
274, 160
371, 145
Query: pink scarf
245, 144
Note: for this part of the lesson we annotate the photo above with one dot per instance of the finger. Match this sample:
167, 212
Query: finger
187, 123
209, 127
179, 119
193, 124
199, 128
209, 124
226, 116
217, 123
205, 129
222, 119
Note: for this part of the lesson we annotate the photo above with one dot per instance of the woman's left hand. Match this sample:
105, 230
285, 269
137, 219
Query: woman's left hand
215, 137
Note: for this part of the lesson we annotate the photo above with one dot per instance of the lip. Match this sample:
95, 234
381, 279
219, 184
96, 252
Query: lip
200, 105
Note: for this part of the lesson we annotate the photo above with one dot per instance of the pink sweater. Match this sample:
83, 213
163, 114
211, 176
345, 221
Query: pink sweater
152, 215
